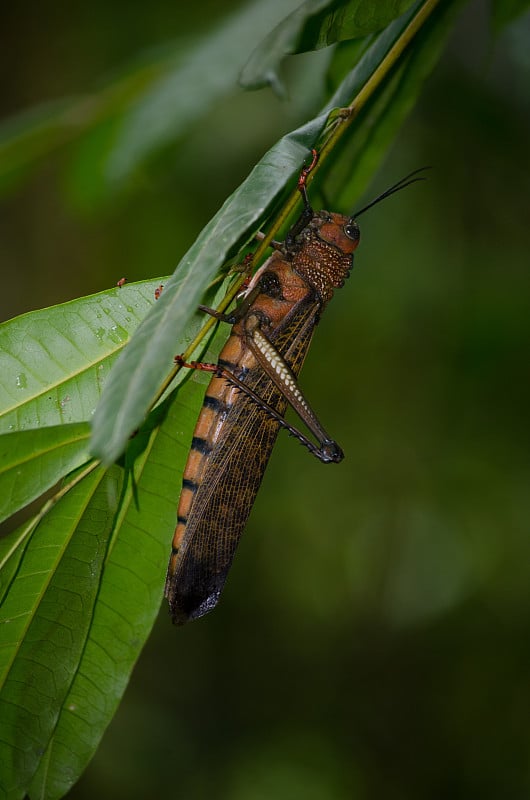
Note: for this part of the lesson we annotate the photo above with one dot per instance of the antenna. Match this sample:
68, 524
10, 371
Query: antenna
406, 181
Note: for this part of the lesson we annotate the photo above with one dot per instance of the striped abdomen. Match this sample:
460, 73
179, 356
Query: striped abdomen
231, 446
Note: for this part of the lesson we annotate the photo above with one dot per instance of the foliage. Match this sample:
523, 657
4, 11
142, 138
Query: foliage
82, 580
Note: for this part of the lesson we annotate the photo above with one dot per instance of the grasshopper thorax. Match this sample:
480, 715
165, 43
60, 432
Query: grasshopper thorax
324, 252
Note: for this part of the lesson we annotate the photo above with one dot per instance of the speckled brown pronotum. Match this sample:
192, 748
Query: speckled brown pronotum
253, 382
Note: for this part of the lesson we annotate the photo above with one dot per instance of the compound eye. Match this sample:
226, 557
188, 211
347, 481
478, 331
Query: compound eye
351, 229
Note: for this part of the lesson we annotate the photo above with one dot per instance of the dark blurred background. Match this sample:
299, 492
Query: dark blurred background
373, 640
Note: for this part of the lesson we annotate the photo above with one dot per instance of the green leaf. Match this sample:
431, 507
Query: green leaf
316, 24
45, 619
33, 461
129, 594
53, 362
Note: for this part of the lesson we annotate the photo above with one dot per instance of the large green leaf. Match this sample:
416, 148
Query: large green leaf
315, 24
46, 616
53, 362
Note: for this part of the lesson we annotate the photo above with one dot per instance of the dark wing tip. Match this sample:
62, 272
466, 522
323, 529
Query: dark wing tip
186, 607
